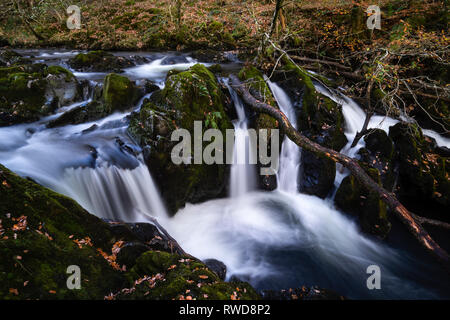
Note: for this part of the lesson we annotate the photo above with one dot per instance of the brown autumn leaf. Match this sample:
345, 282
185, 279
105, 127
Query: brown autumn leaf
14, 291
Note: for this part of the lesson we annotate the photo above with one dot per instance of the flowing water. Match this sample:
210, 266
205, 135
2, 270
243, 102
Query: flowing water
275, 240
290, 152
243, 173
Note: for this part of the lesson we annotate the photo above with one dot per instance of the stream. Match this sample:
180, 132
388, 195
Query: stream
275, 240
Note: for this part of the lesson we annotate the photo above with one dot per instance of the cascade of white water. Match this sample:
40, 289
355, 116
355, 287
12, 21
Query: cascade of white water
290, 157
115, 193
354, 118
243, 174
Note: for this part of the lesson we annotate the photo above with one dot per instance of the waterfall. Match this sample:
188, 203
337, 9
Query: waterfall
115, 193
243, 174
275, 240
354, 118
290, 156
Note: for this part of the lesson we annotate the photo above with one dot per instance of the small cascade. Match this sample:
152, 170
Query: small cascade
243, 174
290, 157
115, 193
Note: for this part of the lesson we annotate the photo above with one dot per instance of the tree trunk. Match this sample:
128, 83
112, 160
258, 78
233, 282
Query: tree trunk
402, 213
278, 7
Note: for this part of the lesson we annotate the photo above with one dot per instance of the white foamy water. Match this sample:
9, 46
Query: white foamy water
290, 153
157, 69
243, 173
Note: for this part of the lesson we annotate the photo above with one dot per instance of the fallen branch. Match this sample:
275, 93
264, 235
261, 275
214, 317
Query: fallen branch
330, 63
432, 222
389, 198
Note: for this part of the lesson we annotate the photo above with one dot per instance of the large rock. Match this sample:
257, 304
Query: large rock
42, 233
117, 94
32, 91
423, 173
99, 61
317, 175
9, 58
192, 95
354, 198
378, 154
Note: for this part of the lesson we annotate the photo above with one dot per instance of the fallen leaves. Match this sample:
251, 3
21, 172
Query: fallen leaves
83, 242
21, 224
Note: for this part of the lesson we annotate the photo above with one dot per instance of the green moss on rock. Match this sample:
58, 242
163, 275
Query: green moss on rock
119, 93
188, 96
99, 61
42, 233
164, 276
32, 91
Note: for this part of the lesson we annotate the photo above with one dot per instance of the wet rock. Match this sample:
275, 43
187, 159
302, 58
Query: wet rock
130, 252
138, 59
378, 154
90, 112
217, 266
99, 61
215, 68
176, 59
32, 91
63, 86
188, 96
9, 58
208, 55
378, 141
117, 94
423, 184
353, 198
149, 234
317, 175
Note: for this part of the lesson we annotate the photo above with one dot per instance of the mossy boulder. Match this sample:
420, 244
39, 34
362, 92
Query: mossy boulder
32, 91
378, 141
317, 175
9, 58
379, 154
42, 233
118, 94
354, 198
99, 61
423, 174
188, 96
38, 241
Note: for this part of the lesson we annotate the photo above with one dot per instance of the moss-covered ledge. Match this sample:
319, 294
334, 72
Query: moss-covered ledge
43, 232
